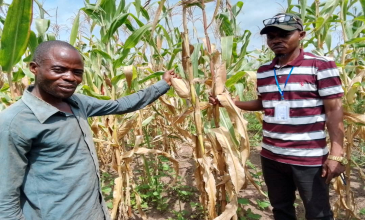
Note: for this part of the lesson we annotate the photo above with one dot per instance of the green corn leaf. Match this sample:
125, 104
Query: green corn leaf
117, 22
227, 45
102, 53
145, 14
42, 26
18, 75
240, 90
131, 42
117, 78
236, 9
195, 59
75, 29
362, 2
303, 7
51, 36
16, 32
226, 26
121, 8
234, 79
226, 122
94, 94
109, 7
355, 40
154, 75
328, 41
360, 18
5, 87
137, 4
33, 43
135, 37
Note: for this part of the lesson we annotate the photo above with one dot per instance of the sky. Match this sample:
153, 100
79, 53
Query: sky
251, 16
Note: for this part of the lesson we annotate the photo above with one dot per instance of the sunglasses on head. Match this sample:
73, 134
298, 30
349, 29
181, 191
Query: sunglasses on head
280, 19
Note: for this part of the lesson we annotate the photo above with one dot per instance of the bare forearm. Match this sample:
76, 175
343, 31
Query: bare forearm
253, 105
334, 122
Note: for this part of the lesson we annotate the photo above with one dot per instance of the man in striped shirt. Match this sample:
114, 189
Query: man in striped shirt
299, 93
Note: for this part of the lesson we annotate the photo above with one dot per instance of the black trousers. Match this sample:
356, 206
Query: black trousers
282, 180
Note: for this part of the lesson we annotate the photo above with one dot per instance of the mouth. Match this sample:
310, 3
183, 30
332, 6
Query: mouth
67, 88
278, 47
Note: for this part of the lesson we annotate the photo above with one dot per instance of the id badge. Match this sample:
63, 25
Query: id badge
282, 111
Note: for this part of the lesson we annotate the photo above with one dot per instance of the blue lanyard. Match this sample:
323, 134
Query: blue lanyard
277, 83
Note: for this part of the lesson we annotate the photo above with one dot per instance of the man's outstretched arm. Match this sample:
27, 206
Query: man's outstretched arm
130, 103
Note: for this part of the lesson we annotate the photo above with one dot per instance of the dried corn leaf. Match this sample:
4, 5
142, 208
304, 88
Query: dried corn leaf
126, 127
362, 175
235, 168
229, 211
353, 117
210, 187
117, 196
220, 79
188, 111
168, 104
215, 57
187, 136
358, 78
240, 124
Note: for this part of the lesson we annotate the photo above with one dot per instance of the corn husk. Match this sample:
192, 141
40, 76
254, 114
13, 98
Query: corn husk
181, 88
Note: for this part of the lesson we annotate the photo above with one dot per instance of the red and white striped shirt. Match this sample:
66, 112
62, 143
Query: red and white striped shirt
302, 140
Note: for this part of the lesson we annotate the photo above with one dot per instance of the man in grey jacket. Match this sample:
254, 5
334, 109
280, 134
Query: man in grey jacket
49, 167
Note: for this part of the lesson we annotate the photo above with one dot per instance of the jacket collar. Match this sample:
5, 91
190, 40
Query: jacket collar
41, 109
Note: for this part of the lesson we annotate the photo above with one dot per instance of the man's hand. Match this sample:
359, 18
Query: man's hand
168, 75
214, 100
332, 169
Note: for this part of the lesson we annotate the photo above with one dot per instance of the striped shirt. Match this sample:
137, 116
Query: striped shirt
302, 140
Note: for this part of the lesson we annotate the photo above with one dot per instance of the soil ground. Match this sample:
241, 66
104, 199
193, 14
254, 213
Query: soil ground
186, 162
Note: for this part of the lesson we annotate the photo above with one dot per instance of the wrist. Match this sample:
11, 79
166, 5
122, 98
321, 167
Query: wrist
337, 150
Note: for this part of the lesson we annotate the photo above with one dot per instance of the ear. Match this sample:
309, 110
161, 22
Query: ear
302, 35
33, 67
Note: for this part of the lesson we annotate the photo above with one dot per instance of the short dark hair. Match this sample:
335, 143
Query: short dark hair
43, 48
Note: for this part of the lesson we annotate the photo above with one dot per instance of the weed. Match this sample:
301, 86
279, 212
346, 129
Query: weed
107, 183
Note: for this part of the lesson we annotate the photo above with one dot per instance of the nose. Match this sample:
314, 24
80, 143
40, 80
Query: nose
276, 40
69, 76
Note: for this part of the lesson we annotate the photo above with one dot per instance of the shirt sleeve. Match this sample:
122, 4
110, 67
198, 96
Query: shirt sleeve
130, 103
328, 79
13, 150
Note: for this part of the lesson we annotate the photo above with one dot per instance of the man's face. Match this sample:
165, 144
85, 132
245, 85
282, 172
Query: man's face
282, 42
59, 73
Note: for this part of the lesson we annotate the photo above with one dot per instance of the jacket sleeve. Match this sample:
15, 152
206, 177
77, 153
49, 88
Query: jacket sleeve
13, 150
130, 103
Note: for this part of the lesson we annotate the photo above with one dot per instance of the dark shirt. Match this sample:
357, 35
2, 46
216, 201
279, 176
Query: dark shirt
49, 166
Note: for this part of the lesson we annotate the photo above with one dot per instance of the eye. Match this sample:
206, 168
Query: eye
79, 72
58, 70
285, 35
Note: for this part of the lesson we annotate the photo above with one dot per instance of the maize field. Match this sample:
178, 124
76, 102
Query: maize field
128, 45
